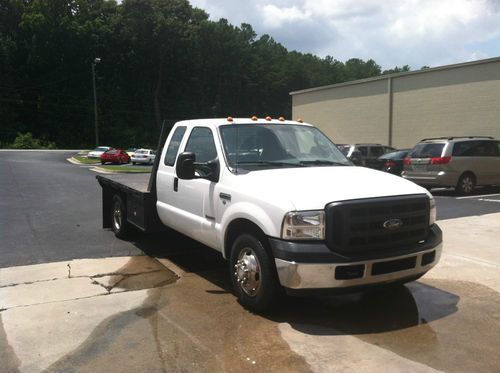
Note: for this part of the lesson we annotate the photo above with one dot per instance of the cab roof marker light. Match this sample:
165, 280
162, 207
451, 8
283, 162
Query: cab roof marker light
268, 118
254, 118
281, 119
300, 120
229, 119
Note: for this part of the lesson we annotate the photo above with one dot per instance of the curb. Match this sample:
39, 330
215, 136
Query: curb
103, 171
75, 161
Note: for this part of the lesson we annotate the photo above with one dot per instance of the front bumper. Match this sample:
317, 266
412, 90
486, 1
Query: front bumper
336, 271
437, 179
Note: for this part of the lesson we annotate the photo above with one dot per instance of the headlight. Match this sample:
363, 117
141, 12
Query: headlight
432, 212
304, 225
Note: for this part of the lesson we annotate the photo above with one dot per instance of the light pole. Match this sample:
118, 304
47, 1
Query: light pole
93, 63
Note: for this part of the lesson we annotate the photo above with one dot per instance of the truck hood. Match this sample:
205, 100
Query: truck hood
312, 188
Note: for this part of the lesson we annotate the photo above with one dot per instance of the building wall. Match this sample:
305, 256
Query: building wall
354, 113
447, 101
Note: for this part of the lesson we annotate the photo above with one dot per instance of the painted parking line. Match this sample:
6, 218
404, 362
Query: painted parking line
489, 200
479, 196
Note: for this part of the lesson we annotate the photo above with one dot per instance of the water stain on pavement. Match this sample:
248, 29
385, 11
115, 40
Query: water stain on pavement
8, 358
439, 323
194, 326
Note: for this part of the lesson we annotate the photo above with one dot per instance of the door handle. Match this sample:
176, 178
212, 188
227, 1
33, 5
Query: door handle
176, 184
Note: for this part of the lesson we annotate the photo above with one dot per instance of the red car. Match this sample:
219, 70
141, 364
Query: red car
115, 156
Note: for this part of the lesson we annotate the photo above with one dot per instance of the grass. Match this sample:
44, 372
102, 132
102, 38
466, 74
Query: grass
126, 169
86, 160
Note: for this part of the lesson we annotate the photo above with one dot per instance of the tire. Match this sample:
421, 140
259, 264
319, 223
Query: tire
250, 262
102, 162
119, 223
133, 163
466, 183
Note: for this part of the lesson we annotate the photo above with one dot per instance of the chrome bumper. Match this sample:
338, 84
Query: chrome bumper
295, 275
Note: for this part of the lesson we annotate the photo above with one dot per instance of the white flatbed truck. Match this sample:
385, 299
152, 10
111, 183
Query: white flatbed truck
283, 205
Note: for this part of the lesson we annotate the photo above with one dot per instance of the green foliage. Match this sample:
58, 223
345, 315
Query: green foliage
159, 59
397, 69
27, 141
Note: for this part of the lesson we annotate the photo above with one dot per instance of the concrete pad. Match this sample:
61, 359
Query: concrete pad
473, 236
48, 291
42, 334
457, 267
33, 273
126, 265
345, 353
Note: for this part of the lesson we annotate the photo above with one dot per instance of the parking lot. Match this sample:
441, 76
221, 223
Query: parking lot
75, 298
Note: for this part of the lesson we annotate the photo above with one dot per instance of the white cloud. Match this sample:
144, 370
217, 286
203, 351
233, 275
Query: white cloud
392, 32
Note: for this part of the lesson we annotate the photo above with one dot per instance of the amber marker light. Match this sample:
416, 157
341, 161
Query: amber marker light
254, 118
281, 119
268, 118
300, 120
229, 119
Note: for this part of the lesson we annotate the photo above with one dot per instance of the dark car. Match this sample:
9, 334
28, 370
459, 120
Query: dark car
118, 156
393, 162
365, 154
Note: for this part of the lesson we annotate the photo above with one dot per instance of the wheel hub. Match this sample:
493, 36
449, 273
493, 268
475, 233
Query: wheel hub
117, 218
247, 272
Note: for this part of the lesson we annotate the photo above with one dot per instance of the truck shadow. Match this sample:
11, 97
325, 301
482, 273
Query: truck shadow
376, 311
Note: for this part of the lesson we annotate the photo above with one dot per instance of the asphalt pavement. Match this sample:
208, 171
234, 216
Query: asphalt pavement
50, 210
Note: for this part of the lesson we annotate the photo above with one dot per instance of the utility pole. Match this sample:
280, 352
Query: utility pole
96, 61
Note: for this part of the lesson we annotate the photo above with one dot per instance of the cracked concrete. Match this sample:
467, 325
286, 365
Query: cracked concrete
62, 281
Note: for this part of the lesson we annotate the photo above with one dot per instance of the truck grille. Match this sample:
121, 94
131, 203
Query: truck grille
358, 225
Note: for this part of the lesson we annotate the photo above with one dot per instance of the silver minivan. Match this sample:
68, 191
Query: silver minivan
460, 162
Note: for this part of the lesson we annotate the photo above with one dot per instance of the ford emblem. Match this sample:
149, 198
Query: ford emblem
393, 224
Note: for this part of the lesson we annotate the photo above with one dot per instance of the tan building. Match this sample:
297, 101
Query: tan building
401, 109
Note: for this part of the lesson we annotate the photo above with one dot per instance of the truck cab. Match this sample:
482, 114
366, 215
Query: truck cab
288, 210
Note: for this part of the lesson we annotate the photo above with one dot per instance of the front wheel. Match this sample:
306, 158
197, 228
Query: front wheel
466, 183
253, 275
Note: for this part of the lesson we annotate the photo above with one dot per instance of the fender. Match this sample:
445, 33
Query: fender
269, 221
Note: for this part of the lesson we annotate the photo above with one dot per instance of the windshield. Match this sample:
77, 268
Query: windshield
254, 146
142, 151
101, 149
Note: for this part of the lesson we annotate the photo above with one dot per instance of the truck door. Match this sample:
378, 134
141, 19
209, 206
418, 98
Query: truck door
192, 202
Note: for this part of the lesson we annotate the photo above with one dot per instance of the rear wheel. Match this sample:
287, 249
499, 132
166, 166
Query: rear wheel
466, 183
253, 275
102, 162
119, 223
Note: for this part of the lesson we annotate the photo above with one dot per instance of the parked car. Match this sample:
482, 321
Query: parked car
144, 156
97, 152
393, 162
365, 154
115, 156
131, 151
460, 162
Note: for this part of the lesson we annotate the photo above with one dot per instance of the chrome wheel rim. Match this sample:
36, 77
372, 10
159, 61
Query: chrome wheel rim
247, 272
117, 217
467, 184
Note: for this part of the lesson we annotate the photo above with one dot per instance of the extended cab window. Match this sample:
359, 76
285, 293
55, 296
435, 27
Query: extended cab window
173, 146
201, 143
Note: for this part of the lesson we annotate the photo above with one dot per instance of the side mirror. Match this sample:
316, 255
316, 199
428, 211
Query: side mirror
185, 166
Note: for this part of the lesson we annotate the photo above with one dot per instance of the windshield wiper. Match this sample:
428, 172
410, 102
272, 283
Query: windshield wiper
323, 162
270, 163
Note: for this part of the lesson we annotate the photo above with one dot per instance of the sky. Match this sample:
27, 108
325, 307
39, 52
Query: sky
392, 32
